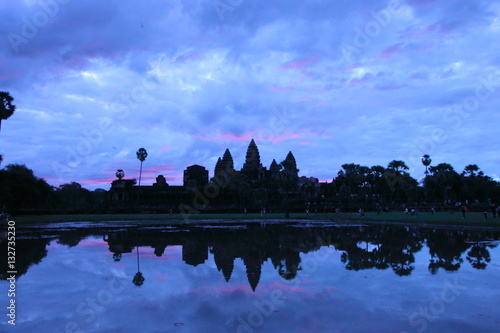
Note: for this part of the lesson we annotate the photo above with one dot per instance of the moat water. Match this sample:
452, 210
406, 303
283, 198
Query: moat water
253, 277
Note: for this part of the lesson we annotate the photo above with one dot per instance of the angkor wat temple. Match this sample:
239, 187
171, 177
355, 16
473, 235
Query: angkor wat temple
252, 188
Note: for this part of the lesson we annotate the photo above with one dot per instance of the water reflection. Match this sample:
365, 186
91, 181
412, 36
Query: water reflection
361, 247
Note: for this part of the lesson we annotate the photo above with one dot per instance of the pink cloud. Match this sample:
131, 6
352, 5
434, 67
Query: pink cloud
287, 288
157, 170
189, 57
391, 51
229, 289
231, 137
300, 100
317, 105
165, 148
9, 74
423, 32
277, 89
226, 137
356, 81
298, 64
283, 137
161, 277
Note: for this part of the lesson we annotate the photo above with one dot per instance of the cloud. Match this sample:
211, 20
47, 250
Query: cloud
98, 81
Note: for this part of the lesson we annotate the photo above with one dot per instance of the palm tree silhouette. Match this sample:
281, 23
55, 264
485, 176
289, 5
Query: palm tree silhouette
138, 279
6, 106
120, 174
141, 156
426, 160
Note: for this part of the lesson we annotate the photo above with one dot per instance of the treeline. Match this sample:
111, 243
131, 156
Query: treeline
394, 185
355, 186
22, 191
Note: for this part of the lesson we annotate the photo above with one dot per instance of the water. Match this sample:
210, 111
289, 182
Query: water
254, 278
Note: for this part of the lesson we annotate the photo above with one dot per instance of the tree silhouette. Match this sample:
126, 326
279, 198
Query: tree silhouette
470, 170
6, 106
21, 189
479, 256
443, 182
426, 160
138, 279
399, 167
141, 156
376, 179
397, 177
120, 174
476, 185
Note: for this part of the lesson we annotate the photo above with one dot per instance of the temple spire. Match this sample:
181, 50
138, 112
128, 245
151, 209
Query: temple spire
227, 161
252, 166
224, 165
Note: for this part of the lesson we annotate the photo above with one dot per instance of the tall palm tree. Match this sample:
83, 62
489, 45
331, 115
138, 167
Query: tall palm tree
396, 177
426, 160
141, 156
6, 106
138, 279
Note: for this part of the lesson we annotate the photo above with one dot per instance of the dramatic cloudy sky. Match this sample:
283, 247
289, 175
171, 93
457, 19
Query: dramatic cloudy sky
333, 81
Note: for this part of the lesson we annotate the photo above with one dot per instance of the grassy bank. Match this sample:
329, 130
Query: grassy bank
441, 218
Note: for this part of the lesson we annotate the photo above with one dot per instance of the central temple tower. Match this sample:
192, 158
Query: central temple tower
252, 168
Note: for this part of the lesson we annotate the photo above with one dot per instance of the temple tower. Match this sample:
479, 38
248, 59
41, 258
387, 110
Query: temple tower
252, 168
224, 165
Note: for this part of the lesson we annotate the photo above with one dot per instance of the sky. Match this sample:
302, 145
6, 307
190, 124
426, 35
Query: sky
335, 82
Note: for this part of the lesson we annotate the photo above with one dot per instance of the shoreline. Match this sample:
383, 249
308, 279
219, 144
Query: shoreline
441, 219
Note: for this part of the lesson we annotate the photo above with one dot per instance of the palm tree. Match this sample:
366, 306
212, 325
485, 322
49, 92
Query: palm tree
138, 279
444, 182
6, 106
396, 177
120, 174
141, 156
426, 160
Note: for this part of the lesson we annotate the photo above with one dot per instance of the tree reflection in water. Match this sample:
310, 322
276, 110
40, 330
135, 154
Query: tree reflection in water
362, 247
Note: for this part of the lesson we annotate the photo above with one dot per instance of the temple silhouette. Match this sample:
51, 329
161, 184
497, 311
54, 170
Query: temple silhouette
254, 187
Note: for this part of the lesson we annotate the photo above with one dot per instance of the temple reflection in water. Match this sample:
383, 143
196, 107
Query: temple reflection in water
360, 247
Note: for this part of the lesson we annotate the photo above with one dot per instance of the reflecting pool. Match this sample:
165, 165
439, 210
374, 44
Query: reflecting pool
253, 277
